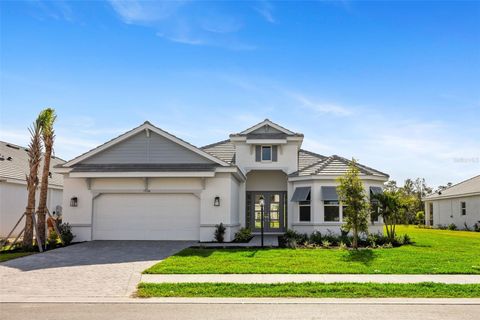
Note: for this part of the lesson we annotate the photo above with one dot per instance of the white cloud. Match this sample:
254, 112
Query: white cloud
145, 12
317, 107
265, 9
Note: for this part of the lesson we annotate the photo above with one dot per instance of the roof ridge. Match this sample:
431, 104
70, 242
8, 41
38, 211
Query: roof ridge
327, 162
312, 153
215, 144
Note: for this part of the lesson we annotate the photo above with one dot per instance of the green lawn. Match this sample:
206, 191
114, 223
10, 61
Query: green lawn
310, 290
434, 252
5, 256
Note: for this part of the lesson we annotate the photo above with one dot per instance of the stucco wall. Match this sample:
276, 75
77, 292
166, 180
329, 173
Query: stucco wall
287, 158
259, 180
317, 208
223, 185
13, 201
447, 211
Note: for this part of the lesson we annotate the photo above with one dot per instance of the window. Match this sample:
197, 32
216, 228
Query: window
266, 153
304, 210
332, 211
463, 206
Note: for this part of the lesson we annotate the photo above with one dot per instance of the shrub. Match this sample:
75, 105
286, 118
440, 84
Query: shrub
476, 227
219, 232
452, 226
243, 235
316, 238
52, 240
404, 240
343, 246
467, 228
66, 234
420, 218
292, 239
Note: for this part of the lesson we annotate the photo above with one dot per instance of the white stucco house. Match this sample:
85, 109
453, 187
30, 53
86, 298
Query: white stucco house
150, 185
13, 186
458, 204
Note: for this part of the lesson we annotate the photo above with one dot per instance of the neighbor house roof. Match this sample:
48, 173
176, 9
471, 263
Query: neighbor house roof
14, 165
465, 188
334, 166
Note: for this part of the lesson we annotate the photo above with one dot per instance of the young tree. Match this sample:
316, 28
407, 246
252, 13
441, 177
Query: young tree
47, 118
34, 155
352, 195
391, 206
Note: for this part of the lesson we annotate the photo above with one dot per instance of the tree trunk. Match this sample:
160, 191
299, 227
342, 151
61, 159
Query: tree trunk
355, 238
42, 204
32, 181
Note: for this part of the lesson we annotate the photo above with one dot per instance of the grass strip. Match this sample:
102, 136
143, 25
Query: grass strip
310, 290
5, 256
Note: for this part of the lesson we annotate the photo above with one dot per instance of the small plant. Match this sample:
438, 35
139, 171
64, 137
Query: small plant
404, 240
343, 246
420, 218
467, 228
452, 226
66, 234
52, 240
326, 244
243, 235
316, 238
219, 232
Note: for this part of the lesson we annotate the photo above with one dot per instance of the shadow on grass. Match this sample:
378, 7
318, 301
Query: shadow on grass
364, 256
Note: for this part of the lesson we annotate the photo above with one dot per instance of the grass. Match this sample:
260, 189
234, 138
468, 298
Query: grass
310, 290
433, 252
5, 256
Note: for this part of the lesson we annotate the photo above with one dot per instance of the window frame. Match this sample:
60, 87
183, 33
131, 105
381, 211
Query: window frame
326, 203
304, 204
261, 153
463, 208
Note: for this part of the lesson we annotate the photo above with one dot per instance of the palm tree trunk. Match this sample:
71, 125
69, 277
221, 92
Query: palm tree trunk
42, 204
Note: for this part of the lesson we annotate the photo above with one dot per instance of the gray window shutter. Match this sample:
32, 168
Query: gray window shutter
258, 153
274, 153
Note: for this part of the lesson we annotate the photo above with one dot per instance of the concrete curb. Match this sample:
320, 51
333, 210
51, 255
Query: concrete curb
127, 300
299, 278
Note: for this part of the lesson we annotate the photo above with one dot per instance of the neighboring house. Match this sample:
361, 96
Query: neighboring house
458, 204
13, 186
150, 185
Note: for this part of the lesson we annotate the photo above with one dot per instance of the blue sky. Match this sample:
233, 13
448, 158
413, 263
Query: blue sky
393, 84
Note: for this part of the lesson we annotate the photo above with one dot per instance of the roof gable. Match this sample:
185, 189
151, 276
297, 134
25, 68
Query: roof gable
468, 187
267, 126
146, 144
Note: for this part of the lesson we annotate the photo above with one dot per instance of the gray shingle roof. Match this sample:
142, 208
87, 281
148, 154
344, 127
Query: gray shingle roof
307, 158
464, 188
15, 164
335, 166
223, 150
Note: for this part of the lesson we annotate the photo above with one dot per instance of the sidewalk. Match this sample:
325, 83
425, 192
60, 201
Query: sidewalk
325, 278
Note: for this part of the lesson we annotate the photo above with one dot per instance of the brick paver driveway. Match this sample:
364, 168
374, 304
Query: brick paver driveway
90, 269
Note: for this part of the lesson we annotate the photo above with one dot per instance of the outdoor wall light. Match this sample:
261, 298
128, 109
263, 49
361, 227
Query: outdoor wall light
73, 202
216, 202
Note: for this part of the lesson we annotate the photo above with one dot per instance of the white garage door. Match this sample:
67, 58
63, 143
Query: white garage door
146, 217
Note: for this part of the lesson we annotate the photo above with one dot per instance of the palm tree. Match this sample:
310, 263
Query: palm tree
48, 118
34, 155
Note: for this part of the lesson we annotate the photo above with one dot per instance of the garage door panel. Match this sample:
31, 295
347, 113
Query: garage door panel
146, 217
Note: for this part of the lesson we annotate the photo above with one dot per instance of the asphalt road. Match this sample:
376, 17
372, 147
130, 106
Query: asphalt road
91, 311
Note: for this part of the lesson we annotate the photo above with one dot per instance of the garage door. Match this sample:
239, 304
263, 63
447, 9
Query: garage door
146, 217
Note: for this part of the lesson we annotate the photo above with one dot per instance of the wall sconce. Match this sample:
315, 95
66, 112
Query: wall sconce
216, 202
73, 202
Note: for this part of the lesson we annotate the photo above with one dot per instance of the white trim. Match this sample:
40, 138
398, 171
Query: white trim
333, 177
269, 123
441, 197
207, 174
266, 141
145, 126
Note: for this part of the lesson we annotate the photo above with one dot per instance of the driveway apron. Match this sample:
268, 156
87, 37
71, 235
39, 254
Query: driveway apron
90, 269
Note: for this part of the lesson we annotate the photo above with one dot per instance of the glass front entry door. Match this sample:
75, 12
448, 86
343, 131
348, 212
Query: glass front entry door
274, 210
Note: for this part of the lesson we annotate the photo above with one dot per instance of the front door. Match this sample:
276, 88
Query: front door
274, 210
